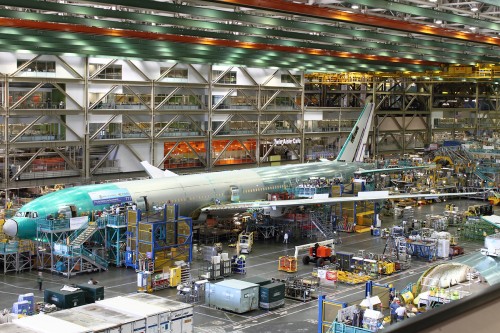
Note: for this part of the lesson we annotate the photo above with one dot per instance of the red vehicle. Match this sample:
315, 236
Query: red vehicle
319, 255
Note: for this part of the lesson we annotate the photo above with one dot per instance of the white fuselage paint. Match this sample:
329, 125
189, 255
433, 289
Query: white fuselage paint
192, 192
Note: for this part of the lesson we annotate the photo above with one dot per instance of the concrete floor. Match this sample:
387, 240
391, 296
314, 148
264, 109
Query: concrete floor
296, 316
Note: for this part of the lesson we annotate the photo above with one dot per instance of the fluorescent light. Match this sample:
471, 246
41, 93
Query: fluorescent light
474, 9
355, 6
439, 21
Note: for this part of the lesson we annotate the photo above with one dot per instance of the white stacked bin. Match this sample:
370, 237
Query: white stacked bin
94, 323
157, 319
42, 323
443, 248
181, 314
15, 328
128, 323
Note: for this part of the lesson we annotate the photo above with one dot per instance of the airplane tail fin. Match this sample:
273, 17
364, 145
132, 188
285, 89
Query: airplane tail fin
154, 172
353, 149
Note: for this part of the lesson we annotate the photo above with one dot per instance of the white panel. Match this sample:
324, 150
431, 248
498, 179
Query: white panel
103, 88
128, 72
104, 118
77, 124
313, 115
8, 61
128, 162
223, 92
202, 70
77, 63
159, 151
217, 117
150, 68
76, 92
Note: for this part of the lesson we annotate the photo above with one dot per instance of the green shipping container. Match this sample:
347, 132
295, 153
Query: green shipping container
272, 295
64, 299
258, 280
92, 292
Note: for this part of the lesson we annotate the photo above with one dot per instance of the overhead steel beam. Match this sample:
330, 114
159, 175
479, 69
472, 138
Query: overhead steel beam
103, 45
426, 12
47, 26
273, 36
355, 18
490, 2
306, 64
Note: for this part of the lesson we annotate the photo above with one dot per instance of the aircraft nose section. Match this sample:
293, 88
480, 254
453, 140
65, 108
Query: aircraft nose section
10, 228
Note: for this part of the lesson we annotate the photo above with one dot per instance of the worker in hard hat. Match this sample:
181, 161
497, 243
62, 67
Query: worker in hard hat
394, 306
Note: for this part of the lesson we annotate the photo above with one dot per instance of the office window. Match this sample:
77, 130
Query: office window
228, 78
112, 72
287, 78
38, 66
174, 73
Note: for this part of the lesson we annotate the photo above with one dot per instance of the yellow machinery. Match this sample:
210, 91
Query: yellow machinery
170, 277
351, 278
2, 235
175, 276
407, 297
287, 264
494, 198
365, 218
245, 242
386, 267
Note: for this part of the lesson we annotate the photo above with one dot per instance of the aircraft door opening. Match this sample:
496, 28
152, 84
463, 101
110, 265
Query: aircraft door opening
68, 211
235, 193
142, 203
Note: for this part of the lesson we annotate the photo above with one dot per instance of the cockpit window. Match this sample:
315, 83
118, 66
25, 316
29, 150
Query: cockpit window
30, 215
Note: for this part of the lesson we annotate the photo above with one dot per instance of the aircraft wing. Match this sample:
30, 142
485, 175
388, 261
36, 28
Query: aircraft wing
389, 170
363, 196
155, 172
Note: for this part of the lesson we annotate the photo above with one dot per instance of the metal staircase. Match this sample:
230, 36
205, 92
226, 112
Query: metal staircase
83, 234
320, 221
91, 260
482, 176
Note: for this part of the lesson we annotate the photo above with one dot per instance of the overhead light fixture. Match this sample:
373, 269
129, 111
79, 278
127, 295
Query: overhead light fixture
355, 6
472, 28
433, 0
439, 21
474, 8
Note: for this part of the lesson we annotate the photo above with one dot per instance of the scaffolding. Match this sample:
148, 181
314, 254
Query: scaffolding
70, 246
16, 256
116, 236
158, 239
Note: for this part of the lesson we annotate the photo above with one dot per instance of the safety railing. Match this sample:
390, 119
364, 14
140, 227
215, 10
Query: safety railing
113, 220
78, 231
90, 256
52, 224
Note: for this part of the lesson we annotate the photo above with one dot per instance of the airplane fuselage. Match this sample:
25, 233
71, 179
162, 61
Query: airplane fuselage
191, 192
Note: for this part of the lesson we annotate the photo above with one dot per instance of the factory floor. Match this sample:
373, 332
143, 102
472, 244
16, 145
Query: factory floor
295, 316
